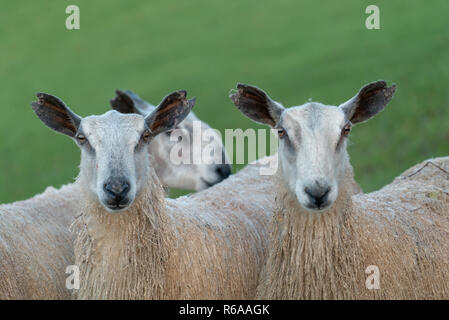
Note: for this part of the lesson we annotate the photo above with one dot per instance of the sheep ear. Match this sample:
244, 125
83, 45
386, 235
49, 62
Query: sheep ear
257, 105
129, 102
55, 114
173, 109
370, 100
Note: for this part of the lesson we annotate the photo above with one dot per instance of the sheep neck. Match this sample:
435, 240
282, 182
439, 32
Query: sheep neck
311, 255
123, 255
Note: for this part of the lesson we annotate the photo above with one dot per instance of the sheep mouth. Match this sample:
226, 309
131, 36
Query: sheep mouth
116, 207
317, 209
207, 183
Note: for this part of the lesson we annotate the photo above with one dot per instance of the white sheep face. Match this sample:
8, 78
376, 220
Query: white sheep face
312, 149
114, 157
196, 176
192, 175
115, 161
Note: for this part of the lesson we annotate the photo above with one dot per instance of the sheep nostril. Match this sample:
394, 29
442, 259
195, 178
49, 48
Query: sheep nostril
117, 189
125, 189
223, 170
317, 195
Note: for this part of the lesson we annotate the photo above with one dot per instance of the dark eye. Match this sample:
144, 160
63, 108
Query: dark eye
81, 138
146, 135
169, 132
346, 130
282, 133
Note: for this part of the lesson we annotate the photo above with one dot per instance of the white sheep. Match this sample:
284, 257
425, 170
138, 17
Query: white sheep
131, 241
325, 235
196, 176
36, 246
35, 243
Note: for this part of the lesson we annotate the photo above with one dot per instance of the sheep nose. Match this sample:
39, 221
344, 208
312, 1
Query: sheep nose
117, 189
318, 195
223, 170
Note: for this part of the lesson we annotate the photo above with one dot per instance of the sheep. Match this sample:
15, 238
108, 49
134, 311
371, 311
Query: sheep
131, 242
35, 243
36, 246
197, 176
325, 235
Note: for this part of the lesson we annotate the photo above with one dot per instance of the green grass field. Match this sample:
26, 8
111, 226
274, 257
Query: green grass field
296, 50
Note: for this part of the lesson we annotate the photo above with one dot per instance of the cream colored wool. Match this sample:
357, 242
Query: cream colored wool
36, 245
210, 245
403, 229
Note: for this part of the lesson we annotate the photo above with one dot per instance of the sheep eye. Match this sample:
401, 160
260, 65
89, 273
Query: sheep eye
146, 135
169, 132
282, 133
346, 130
81, 138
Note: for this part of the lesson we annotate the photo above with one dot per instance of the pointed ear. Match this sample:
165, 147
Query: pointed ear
129, 102
257, 105
173, 109
370, 100
55, 114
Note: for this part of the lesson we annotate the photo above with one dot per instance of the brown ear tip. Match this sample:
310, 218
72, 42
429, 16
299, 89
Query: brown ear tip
391, 90
192, 101
379, 84
181, 94
242, 87
383, 84
177, 95
119, 92
232, 94
124, 96
34, 105
45, 97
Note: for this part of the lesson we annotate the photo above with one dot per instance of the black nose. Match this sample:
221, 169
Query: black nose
317, 195
117, 189
224, 170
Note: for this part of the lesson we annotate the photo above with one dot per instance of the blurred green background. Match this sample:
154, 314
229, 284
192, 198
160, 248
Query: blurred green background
295, 50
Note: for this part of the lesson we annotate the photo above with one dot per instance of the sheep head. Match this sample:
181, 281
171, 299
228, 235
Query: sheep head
196, 175
313, 136
115, 160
